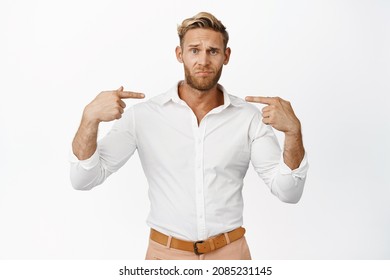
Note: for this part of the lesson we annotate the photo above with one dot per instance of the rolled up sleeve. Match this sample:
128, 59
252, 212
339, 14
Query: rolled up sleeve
88, 173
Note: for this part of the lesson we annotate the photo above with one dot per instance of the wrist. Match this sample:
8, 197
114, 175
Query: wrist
294, 131
89, 119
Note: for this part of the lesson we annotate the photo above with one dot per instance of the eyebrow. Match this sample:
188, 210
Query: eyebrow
193, 45
197, 45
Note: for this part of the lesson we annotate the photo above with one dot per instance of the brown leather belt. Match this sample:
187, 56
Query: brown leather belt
198, 247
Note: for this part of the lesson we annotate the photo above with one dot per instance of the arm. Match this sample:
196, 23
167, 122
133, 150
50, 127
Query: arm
286, 178
87, 169
280, 115
85, 141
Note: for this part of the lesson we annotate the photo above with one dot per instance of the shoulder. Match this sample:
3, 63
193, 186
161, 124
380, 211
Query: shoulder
238, 103
243, 105
159, 99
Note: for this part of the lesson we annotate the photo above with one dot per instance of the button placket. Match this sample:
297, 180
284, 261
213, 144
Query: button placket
199, 170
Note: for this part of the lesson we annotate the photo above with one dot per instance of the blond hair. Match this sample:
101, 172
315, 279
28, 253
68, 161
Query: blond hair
202, 20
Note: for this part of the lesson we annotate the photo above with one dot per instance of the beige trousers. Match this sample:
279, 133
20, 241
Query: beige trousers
237, 250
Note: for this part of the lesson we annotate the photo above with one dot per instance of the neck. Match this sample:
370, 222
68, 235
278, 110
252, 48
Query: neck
197, 99
200, 102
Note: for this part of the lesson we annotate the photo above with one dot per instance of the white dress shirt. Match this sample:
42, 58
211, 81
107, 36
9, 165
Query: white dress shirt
195, 173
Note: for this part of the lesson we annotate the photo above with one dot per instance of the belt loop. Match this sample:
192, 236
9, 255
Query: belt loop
227, 238
169, 242
211, 242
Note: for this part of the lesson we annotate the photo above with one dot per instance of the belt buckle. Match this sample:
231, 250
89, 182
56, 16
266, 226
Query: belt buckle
196, 248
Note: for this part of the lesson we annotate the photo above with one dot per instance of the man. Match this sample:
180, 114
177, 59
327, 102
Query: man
195, 143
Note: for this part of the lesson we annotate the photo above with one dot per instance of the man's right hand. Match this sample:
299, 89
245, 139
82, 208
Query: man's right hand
108, 105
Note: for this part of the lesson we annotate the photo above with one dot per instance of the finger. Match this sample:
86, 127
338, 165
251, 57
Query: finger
121, 103
130, 94
267, 121
267, 108
120, 88
266, 115
259, 99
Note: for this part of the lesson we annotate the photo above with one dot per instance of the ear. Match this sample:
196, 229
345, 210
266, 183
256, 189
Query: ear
228, 51
179, 54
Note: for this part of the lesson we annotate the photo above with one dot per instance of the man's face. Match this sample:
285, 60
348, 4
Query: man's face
203, 55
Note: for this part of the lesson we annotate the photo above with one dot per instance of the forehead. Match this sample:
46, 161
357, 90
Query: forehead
199, 36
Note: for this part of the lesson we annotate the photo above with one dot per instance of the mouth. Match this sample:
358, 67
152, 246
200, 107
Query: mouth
203, 73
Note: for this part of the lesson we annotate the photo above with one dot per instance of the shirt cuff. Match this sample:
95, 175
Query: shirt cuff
299, 172
87, 164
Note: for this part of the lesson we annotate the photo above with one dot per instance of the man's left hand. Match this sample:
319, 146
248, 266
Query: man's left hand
278, 113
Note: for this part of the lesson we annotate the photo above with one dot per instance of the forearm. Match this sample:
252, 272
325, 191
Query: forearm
86, 175
85, 141
294, 151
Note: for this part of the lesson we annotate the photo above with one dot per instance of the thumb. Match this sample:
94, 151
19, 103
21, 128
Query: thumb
120, 88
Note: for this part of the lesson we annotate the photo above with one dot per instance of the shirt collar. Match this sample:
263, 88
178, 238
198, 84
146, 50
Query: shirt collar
173, 95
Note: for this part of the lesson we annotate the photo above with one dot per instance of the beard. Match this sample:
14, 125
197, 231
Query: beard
202, 83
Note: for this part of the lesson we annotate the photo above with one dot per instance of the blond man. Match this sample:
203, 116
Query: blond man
195, 143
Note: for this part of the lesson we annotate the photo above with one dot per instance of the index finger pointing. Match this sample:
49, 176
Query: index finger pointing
259, 99
130, 94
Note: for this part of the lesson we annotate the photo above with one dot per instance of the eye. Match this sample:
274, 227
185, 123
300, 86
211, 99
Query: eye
194, 51
213, 52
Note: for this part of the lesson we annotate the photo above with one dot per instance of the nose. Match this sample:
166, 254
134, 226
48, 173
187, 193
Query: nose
203, 58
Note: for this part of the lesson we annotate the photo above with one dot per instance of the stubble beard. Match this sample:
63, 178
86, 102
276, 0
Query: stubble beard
202, 83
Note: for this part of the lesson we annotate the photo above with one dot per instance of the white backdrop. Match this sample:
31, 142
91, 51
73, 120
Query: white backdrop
330, 58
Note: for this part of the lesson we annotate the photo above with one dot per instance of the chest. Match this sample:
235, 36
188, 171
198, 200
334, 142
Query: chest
176, 137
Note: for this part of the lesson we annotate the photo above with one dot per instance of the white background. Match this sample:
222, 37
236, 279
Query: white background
330, 58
